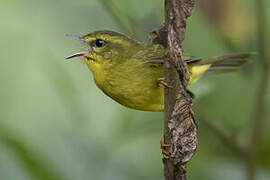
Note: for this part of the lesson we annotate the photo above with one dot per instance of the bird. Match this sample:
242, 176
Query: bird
131, 72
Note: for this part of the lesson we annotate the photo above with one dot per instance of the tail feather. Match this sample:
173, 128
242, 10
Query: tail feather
228, 58
227, 63
221, 64
222, 69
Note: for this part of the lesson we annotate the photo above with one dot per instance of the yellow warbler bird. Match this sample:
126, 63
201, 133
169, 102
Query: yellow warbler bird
131, 72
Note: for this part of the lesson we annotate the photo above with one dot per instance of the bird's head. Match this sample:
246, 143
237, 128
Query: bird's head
105, 47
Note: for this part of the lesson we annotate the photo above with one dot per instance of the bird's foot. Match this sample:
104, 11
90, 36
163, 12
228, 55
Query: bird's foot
163, 146
162, 83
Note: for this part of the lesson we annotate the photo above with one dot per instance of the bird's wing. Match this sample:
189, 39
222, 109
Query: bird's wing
188, 59
154, 54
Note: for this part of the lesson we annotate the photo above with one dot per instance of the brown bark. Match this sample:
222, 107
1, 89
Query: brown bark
180, 130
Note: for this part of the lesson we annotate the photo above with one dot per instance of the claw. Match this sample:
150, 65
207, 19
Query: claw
162, 83
165, 153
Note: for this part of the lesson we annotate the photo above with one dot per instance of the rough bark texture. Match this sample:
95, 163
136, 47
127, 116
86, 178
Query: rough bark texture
180, 130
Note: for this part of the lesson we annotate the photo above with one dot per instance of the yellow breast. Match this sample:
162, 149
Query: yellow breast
133, 83
134, 87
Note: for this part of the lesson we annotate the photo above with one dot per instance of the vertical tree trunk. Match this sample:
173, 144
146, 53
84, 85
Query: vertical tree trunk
180, 130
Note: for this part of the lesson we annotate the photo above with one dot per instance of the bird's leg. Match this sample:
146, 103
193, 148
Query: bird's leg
162, 83
163, 147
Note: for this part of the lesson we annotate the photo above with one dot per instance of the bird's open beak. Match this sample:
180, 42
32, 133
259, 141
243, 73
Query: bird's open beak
79, 54
76, 36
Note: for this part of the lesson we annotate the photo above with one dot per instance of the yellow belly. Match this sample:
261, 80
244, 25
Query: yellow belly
136, 87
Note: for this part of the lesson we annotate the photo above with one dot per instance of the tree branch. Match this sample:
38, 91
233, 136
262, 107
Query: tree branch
124, 21
260, 106
180, 130
226, 136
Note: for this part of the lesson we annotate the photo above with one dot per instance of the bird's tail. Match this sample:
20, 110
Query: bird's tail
220, 64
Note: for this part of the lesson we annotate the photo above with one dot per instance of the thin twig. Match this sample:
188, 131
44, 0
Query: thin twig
33, 162
124, 21
260, 106
225, 135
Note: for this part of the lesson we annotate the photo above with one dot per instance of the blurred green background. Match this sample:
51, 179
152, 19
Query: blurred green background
56, 124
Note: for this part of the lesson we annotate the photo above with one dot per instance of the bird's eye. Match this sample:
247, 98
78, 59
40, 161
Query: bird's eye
100, 43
